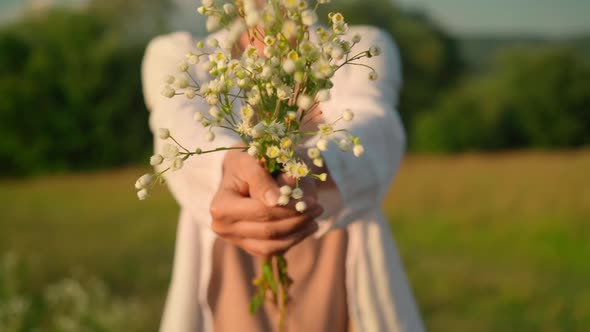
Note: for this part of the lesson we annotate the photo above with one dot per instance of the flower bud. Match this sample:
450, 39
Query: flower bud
297, 193
286, 190
347, 115
190, 94
163, 133
322, 144
344, 145
168, 91
156, 160
304, 102
313, 153
209, 136
142, 194
177, 164
301, 206
198, 116
375, 50
358, 150
183, 66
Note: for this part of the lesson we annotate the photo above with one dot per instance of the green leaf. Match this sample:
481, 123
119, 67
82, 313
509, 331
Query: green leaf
255, 303
268, 276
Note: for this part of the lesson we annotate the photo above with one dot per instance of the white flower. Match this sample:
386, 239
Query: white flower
358, 150
322, 177
198, 116
373, 76
209, 136
301, 206
276, 130
156, 160
356, 38
190, 93
286, 190
286, 142
322, 144
183, 66
344, 144
297, 193
169, 151
309, 17
283, 200
322, 69
296, 170
323, 95
318, 162
168, 91
313, 153
304, 102
291, 115
142, 194
247, 112
337, 18
375, 50
326, 129
273, 151
253, 150
347, 115
163, 133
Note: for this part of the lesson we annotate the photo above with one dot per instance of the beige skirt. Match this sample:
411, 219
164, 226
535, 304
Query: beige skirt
318, 294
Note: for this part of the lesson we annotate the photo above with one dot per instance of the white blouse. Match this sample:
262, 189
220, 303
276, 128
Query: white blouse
379, 297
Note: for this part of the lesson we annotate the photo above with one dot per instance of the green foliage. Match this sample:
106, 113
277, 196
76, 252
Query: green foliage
67, 305
531, 99
71, 95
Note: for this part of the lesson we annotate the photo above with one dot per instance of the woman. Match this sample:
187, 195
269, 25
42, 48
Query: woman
346, 269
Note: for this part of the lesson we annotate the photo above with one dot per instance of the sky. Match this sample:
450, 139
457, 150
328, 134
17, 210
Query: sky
512, 17
554, 18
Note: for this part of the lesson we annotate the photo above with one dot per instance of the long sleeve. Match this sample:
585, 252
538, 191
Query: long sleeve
195, 183
363, 181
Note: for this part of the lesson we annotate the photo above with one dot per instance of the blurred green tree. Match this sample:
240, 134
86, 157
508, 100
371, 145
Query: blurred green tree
533, 98
71, 95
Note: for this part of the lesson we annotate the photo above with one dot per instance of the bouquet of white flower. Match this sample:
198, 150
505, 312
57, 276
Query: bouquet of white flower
266, 99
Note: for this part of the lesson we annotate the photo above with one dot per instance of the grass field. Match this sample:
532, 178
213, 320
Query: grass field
491, 242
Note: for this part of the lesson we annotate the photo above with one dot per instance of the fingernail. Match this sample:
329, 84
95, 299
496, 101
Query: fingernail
271, 197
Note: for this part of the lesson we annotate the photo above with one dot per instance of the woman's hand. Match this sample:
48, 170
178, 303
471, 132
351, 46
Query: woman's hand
245, 212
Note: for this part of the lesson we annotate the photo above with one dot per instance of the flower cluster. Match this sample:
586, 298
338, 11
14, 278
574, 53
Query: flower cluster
269, 93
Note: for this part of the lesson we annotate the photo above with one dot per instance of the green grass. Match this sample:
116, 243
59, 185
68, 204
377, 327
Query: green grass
491, 243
